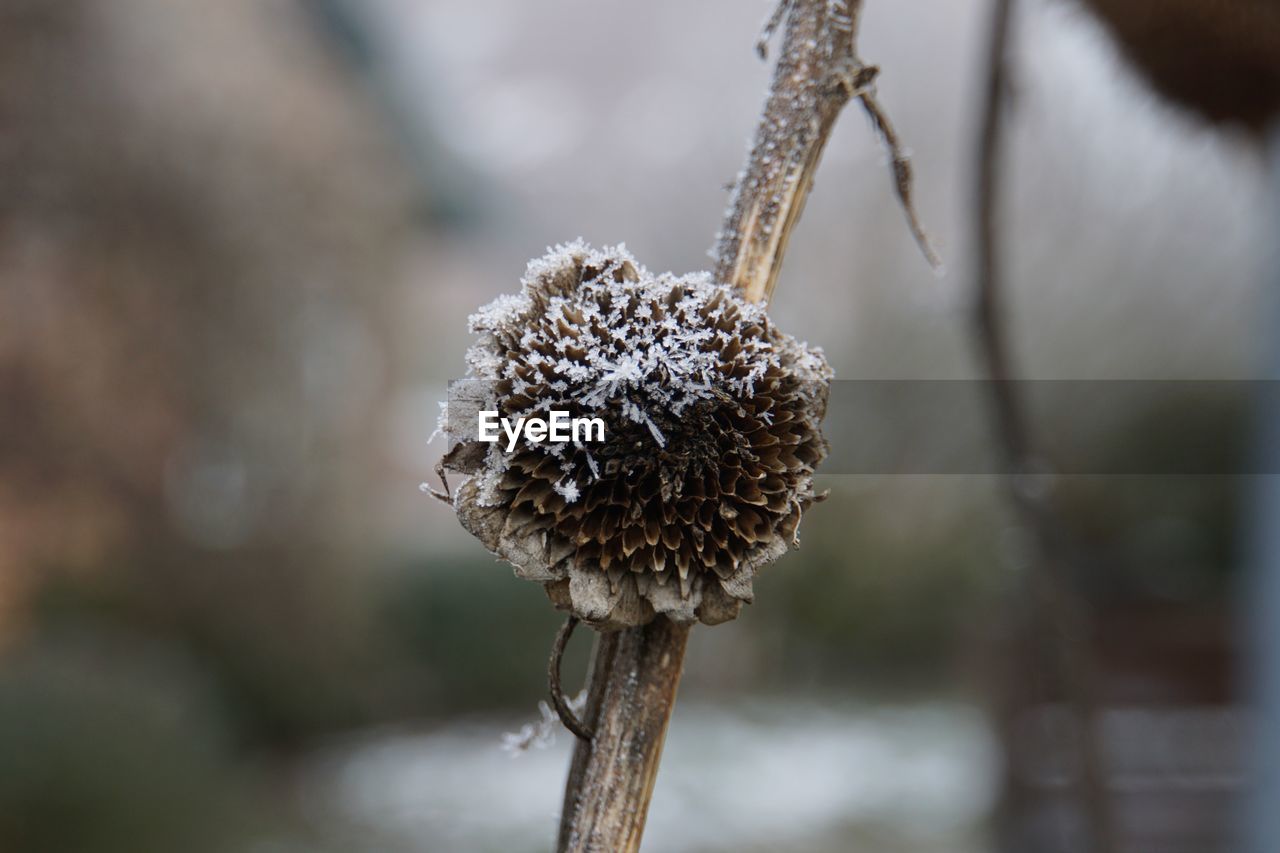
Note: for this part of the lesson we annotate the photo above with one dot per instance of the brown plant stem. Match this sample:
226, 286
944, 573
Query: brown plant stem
817, 74
636, 671
634, 677
1048, 588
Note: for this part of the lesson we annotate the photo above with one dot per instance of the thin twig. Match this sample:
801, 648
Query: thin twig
443, 496
770, 27
558, 700
900, 165
1056, 551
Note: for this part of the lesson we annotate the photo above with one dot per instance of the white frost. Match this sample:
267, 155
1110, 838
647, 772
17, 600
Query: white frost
646, 347
568, 490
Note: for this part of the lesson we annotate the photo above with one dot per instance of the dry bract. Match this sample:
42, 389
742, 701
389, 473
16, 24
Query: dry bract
712, 437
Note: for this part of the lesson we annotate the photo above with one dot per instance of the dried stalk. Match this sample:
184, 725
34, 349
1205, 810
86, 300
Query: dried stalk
817, 74
1048, 588
634, 678
636, 671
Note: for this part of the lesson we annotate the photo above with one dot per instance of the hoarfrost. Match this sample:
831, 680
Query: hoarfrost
644, 346
541, 733
568, 490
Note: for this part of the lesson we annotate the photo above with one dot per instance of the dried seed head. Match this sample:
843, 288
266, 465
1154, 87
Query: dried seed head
712, 435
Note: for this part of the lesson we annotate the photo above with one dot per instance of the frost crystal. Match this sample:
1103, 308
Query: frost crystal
540, 734
567, 490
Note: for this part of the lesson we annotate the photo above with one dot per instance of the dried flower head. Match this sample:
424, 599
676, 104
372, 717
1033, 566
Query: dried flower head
712, 435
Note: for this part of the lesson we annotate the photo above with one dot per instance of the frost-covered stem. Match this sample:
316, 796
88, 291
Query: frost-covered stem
818, 71
634, 679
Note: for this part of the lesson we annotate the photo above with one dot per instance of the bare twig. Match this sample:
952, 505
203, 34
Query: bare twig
1050, 585
443, 496
770, 27
900, 164
558, 700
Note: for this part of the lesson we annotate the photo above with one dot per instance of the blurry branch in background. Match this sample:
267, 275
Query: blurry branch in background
636, 671
1047, 590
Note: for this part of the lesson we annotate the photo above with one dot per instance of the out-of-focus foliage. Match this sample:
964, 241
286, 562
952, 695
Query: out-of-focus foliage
115, 755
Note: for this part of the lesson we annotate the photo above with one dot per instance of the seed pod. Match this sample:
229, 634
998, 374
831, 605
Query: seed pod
711, 438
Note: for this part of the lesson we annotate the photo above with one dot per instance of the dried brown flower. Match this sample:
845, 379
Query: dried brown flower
712, 436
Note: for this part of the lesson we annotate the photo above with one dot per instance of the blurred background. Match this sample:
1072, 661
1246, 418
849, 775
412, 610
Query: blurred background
238, 245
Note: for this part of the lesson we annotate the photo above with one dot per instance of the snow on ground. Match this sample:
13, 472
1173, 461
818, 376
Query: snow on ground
757, 775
